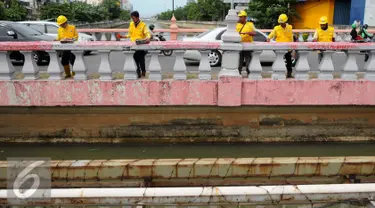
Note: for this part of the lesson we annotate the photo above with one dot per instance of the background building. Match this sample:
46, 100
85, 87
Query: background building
127, 5
339, 12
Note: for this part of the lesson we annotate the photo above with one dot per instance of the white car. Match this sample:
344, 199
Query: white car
215, 57
50, 29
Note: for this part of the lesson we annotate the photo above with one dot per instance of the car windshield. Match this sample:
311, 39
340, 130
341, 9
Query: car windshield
203, 34
25, 30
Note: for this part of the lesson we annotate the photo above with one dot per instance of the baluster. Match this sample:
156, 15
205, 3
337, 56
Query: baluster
348, 37
113, 36
7, 70
30, 69
105, 67
350, 67
94, 36
55, 69
326, 66
300, 37
103, 37
130, 68
278, 67
302, 66
370, 66
255, 67
179, 66
204, 66
154, 67
311, 36
79, 66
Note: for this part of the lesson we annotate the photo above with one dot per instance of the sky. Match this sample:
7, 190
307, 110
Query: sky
148, 8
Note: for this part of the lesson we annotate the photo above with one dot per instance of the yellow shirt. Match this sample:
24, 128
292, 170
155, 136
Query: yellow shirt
248, 27
324, 35
68, 32
281, 34
138, 32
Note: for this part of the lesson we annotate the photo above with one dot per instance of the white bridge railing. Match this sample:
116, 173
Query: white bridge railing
109, 65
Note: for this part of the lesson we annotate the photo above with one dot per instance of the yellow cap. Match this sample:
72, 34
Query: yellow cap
283, 18
323, 20
61, 20
242, 14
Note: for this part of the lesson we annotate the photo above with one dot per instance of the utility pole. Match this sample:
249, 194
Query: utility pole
172, 6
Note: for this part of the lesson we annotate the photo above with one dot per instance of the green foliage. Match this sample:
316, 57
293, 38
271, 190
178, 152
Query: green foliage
202, 10
125, 15
82, 12
2, 11
266, 12
15, 12
113, 8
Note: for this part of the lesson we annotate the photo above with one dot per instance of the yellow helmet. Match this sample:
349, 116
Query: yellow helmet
323, 20
283, 18
242, 14
61, 20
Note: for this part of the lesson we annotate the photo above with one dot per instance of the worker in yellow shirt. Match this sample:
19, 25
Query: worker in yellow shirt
138, 31
324, 34
247, 31
66, 33
284, 33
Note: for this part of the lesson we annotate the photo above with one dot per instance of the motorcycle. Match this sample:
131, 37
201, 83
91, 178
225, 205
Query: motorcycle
160, 37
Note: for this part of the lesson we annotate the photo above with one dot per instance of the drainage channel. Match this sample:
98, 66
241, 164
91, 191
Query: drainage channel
142, 151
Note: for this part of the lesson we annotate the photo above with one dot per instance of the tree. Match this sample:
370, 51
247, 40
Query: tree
2, 11
15, 12
267, 12
205, 10
125, 15
53, 10
113, 8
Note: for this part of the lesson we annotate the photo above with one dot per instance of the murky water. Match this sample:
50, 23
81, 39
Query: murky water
141, 151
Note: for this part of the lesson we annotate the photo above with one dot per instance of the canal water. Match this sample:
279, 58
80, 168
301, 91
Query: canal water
155, 151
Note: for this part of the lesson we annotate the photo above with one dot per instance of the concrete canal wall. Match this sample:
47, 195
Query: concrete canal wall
225, 110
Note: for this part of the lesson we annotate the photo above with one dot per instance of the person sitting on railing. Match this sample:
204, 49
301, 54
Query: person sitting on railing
66, 34
138, 31
284, 33
324, 34
247, 31
364, 34
354, 33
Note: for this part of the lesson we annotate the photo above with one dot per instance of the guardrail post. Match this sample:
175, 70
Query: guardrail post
105, 67
174, 28
350, 68
302, 67
255, 66
30, 68
154, 67
130, 68
7, 69
370, 66
204, 66
79, 66
55, 69
326, 66
278, 67
179, 65
230, 80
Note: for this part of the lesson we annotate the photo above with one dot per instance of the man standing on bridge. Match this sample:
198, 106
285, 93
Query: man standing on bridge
138, 31
284, 33
247, 31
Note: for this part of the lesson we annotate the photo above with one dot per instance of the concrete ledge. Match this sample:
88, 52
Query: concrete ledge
225, 92
103, 93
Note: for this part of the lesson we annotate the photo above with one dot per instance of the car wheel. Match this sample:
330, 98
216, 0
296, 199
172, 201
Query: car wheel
214, 57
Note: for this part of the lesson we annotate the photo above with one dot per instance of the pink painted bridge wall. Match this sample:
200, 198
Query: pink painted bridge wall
227, 91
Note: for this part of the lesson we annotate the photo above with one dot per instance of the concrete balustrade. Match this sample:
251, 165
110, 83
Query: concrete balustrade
326, 68
341, 35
